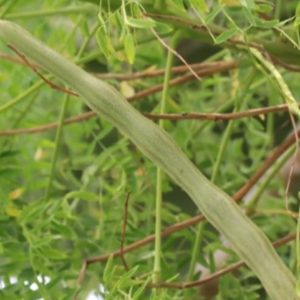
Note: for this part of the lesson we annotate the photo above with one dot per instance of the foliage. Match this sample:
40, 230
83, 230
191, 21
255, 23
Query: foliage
89, 167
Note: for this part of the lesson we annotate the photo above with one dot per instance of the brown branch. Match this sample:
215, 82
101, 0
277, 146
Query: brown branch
285, 65
124, 225
277, 152
219, 116
36, 71
13, 59
136, 75
160, 72
150, 238
184, 285
185, 78
171, 116
174, 52
88, 115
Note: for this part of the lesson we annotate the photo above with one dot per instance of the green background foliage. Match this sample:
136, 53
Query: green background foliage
63, 190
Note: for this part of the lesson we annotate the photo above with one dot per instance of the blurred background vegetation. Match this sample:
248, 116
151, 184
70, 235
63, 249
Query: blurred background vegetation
63, 189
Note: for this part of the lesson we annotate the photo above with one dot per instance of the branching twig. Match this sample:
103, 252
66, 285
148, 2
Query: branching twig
172, 117
183, 79
184, 285
13, 59
219, 116
175, 53
155, 73
136, 75
35, 70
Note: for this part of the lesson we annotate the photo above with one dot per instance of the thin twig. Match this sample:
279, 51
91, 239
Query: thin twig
182, 79
35, 70
13, 59
184, 285
160, 72
124, 225
172, 117
281, 63
276, 153
136, 75
175, 53
82, 273
219, 116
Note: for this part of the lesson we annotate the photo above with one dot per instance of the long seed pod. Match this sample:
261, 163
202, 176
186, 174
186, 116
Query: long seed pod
246, 238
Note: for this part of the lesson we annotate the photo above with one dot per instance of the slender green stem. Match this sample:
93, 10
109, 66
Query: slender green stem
87, 40
6, 8
21, 96
269, 176
239, 101
57, 143
82, 9
224, 143
277, 9
61, 120
72, 32
197, 243
157, 251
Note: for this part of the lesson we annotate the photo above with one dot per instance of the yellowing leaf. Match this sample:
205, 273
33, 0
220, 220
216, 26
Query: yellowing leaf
12, 211
39, 154
15, 194
126, 89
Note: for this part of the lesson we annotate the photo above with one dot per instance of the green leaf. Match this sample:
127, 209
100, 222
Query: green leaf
140, 23
200, 5
266, 7
63, 229
108, 271
264, 24
103, 42
84, 195
52, 253
140, 290
129, 47
212, 15
224, 36
297, 16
